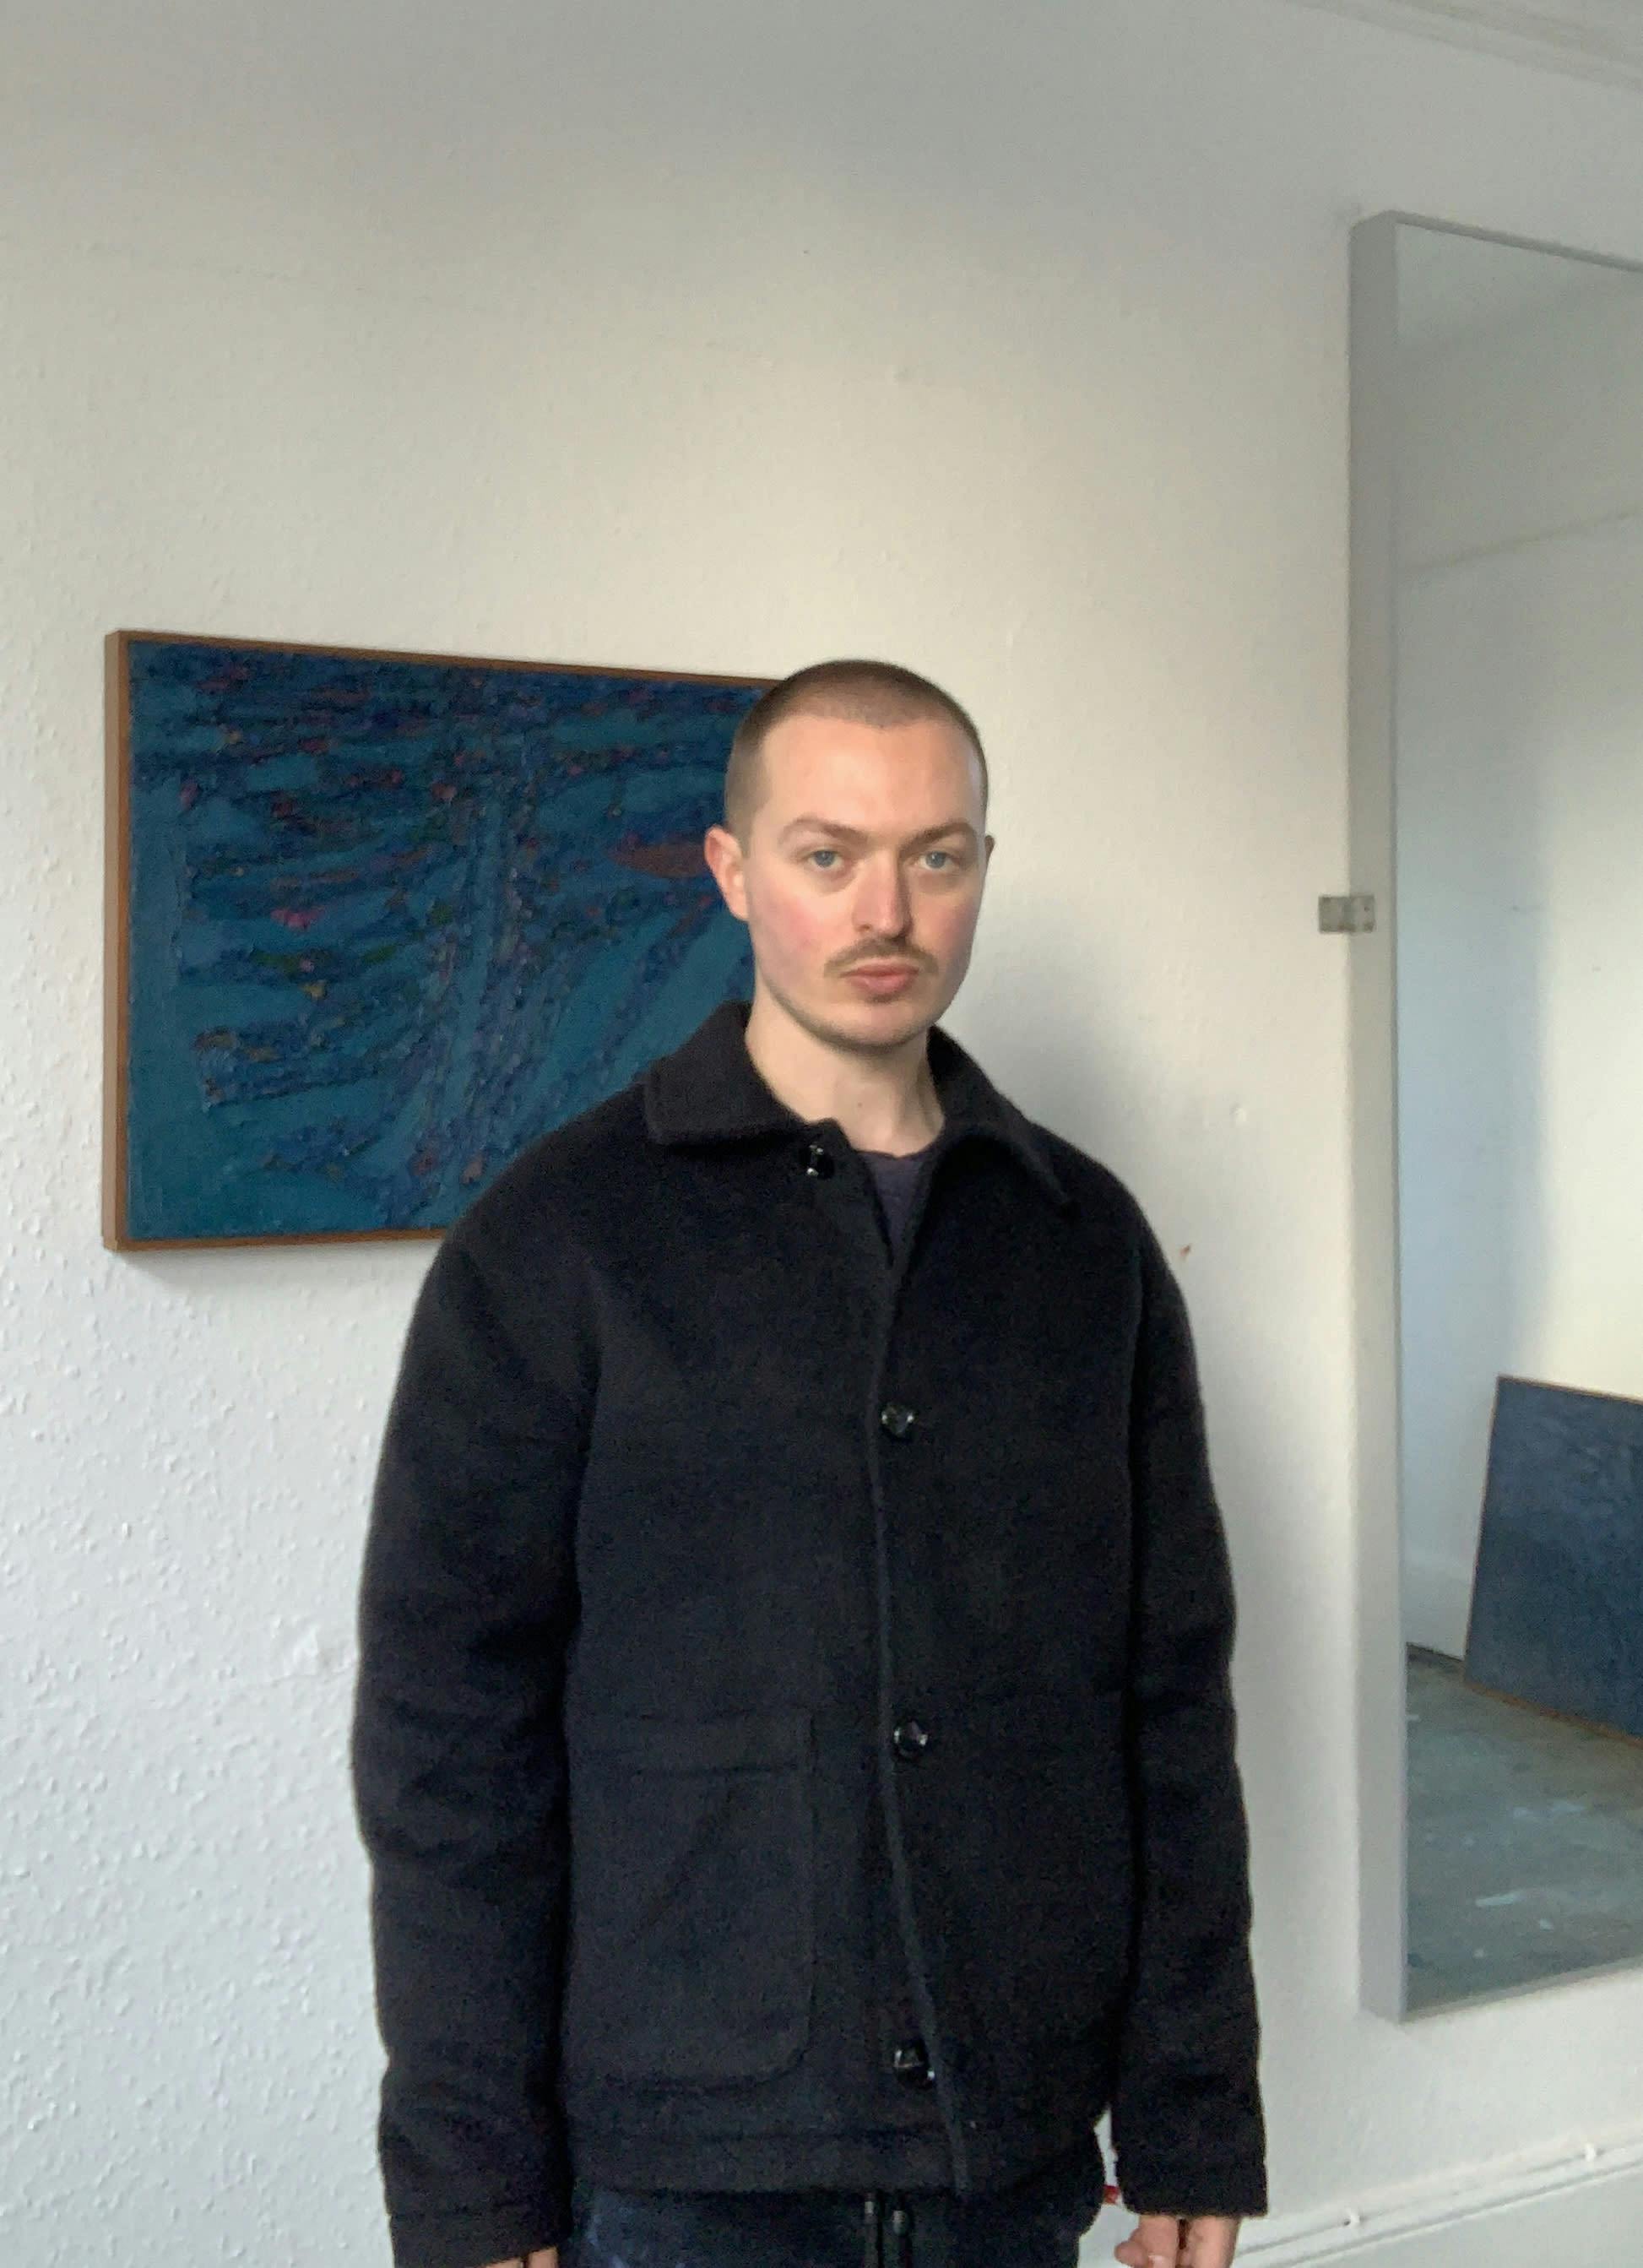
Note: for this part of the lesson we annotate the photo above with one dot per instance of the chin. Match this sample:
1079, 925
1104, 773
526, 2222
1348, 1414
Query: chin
882, 1023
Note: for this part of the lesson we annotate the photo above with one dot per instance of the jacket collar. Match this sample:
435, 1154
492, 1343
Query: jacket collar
709, 1089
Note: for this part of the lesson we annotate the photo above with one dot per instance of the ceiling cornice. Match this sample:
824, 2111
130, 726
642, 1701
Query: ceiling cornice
1564, 35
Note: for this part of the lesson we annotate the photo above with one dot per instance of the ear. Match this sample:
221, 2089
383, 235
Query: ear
723, 854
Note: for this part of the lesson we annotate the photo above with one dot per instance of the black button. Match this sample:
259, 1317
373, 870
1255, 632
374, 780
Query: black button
911, 1739
912, 2064
818, 1162
897, 1418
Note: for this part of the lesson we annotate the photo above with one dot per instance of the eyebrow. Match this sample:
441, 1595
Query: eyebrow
854, 834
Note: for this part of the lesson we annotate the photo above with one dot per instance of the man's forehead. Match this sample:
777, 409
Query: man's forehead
855, 779
803, 751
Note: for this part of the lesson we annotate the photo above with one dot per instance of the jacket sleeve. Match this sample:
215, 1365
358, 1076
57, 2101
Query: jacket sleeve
1187, 2125
458, 1771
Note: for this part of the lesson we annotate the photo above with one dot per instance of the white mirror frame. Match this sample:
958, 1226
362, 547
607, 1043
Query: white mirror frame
1380, 1683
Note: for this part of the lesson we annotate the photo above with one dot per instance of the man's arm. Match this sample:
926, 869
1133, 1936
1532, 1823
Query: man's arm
465, 1602
1187, 2126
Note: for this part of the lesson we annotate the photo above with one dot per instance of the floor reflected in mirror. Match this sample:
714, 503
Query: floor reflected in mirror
1525, 1842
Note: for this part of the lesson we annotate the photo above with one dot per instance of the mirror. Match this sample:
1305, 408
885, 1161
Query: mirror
1498, 822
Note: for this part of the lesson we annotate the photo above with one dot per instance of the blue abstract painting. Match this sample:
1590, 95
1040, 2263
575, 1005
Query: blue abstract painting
1555, 1618
384, 918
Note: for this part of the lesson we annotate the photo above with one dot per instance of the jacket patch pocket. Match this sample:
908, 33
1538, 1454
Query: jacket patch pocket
1050, 1863
691, 1949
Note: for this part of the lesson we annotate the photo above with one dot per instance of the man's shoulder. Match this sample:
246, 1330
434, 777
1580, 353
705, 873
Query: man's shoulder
1104, 1200
560, 1178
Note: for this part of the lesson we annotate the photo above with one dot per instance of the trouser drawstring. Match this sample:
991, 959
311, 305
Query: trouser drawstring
874, 2221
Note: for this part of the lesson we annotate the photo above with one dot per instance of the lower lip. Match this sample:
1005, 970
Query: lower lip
883, 985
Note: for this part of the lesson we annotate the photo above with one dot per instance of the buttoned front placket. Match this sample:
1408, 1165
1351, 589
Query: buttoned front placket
893, 1431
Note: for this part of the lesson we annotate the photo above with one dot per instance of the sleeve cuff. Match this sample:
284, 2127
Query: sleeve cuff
1238, 2191
478, 2234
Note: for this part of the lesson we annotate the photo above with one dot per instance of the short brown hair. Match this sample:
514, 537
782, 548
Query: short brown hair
864, 692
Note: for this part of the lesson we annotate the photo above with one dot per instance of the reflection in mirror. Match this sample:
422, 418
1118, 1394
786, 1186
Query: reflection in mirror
1517, 659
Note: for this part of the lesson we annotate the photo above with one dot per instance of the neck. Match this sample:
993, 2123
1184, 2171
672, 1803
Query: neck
884, 1098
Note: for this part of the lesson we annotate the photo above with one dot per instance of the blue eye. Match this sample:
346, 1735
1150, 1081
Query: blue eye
822, 854
938, 854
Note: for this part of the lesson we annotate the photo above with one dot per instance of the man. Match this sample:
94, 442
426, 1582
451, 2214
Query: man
793, 1736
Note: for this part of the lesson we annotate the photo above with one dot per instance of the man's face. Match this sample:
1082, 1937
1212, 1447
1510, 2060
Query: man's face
865, 850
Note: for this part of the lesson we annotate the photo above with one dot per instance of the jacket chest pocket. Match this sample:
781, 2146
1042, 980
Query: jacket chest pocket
691, 1950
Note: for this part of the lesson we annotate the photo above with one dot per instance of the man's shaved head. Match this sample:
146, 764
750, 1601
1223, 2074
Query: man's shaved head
877, 693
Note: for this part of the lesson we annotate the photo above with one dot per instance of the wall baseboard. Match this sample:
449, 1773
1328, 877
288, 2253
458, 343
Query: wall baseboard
1576, 2201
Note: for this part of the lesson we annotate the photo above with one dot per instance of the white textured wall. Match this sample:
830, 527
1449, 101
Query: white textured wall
1007, 341
1520, 921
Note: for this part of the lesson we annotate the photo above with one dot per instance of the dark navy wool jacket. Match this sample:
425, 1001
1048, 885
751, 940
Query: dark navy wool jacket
793, 1739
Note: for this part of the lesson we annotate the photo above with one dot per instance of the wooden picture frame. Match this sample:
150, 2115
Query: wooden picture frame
375, 919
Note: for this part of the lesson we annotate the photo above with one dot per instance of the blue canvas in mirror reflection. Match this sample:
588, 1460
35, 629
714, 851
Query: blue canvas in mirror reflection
1557, 1611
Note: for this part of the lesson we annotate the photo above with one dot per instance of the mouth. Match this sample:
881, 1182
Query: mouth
882, 976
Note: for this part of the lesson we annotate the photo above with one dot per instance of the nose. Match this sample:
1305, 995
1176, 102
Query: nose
883, 901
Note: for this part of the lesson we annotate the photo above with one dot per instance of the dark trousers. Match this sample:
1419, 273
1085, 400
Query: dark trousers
1036, 2223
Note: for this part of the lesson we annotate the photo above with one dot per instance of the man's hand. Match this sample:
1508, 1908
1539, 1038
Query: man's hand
1172, 2240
